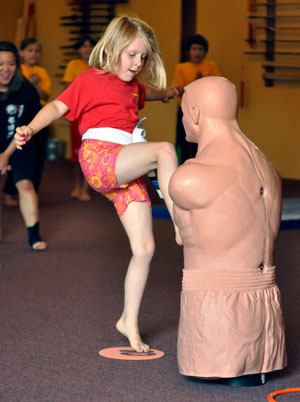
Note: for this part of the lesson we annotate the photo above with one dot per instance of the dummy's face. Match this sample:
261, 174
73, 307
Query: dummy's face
197, 53
85, 50
132, 60
8, 67
31, 54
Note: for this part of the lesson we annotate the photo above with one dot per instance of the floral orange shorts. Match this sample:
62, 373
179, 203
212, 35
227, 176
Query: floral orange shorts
98, 160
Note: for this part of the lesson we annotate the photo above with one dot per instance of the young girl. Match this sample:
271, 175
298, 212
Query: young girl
75, 67
105, 100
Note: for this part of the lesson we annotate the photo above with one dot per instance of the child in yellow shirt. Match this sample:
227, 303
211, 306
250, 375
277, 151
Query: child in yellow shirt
30, 51
197, 66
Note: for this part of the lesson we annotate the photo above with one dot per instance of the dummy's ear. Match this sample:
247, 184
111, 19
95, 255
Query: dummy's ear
195, 113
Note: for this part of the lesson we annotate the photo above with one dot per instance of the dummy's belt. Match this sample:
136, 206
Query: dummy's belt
115, 135
226, 279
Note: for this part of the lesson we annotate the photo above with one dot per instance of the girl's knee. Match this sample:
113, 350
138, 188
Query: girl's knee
144, 250
166, 148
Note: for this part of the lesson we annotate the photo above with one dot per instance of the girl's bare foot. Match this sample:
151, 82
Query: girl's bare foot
133, 335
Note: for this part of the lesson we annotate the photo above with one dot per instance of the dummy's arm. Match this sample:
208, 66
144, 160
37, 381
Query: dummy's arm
195, 185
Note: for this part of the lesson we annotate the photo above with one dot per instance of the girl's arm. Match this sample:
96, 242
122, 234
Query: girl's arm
43, 118
163, 95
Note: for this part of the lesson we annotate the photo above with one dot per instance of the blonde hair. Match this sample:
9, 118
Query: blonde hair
118, 35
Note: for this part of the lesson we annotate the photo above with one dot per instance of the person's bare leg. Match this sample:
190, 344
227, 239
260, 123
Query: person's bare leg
28, 201
75, 193
10, 200
137, 222
136, 160
85, 190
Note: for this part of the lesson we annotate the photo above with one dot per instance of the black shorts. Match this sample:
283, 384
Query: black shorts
23, 163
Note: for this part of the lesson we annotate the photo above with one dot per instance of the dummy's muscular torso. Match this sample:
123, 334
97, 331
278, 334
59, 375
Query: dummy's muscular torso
227, 206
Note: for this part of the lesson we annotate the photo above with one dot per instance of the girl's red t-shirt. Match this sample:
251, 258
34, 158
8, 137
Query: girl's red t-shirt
98, 99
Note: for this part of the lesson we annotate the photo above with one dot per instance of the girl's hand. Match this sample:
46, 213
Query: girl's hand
23, 135
168, 94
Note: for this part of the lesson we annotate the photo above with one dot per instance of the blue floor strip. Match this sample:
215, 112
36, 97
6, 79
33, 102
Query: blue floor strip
160, 212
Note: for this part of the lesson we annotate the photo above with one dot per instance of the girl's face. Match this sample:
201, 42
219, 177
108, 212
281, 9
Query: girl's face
31, 54
132, 60
8, 68
85, 50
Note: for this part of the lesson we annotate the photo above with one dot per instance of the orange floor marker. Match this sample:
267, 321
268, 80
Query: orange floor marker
127, 353
273, 394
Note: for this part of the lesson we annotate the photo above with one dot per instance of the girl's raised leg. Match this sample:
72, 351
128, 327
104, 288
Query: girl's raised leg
136, 160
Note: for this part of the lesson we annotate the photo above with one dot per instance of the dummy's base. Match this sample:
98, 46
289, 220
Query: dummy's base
127, 353
242, 381
246, 380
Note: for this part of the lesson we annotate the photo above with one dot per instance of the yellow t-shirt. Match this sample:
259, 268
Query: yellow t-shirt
73, 69
187, 72
45, 81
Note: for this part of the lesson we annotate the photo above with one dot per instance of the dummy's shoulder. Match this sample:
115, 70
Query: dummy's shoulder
197, 185
196, 168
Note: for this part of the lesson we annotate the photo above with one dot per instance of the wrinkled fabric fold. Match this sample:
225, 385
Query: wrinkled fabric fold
231, 323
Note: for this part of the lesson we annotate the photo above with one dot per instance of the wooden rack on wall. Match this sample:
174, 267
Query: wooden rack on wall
86, 18
274, 33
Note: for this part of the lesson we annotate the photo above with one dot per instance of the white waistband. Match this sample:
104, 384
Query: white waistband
115, 135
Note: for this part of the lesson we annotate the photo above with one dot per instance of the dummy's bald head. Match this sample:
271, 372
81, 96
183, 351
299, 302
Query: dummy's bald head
215, 97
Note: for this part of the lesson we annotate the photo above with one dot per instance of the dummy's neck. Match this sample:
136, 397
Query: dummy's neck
212, 129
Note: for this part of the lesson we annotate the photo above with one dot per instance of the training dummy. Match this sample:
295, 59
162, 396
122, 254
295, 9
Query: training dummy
227, 206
